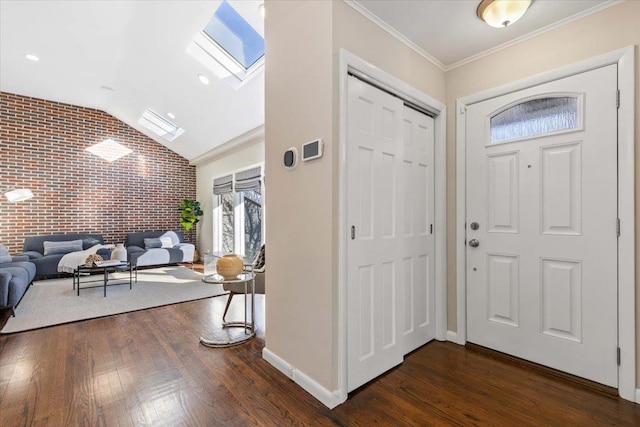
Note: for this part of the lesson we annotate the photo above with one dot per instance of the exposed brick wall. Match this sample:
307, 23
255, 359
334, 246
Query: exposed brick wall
42, 148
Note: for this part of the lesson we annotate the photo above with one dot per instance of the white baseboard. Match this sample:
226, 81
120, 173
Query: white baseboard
326, 397
453, 337
638, 395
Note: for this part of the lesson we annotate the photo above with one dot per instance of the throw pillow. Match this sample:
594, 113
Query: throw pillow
152, 243
89, 242
4, 254
166, 242
52, 248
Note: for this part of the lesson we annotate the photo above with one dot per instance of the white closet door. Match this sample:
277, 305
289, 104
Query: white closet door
390, 249
415, 230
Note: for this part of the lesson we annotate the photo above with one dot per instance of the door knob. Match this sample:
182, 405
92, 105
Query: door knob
474, 243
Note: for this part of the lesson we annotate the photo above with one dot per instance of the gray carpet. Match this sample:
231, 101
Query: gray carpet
52, 302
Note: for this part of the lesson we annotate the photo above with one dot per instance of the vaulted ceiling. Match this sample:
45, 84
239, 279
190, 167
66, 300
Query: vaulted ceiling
126, 56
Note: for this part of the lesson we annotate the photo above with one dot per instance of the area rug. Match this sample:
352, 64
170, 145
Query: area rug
53, 302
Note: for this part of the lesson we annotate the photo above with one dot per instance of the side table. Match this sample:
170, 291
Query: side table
248, 279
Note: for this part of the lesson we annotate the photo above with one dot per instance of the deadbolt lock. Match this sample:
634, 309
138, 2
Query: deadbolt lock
475, 225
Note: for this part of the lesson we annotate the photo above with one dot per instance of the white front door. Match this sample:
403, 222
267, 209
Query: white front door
541, 224
390, 250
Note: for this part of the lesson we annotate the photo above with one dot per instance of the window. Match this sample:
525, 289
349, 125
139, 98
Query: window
238, 212
229, 45
252, 201
227, 203
232, 33
536, 117
159, 125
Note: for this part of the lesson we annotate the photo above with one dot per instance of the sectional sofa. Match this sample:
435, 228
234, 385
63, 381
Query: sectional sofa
158, 248
16, 275
47, 260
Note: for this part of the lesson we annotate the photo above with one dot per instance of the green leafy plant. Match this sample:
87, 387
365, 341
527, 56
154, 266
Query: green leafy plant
190, 213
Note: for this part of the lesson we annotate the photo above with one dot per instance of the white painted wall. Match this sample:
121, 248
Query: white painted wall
302, 103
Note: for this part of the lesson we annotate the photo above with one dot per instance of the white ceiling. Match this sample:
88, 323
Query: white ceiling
139, 48
449, 31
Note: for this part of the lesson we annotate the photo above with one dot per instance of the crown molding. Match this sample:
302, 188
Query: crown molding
394, 33
386, 27
254, 136
550, 27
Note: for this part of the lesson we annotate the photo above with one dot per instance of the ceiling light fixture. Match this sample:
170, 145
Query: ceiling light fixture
203, 79
502, 13
32, 57
261, 10
171, 115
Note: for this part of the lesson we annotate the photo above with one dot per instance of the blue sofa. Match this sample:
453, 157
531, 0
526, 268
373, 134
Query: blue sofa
142, 254
47, 265
16, 275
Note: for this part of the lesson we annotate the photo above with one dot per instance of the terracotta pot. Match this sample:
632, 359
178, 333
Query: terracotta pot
229, 266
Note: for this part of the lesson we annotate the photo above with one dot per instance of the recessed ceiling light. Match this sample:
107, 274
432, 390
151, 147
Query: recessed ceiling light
171, 115
203, 79
32, 57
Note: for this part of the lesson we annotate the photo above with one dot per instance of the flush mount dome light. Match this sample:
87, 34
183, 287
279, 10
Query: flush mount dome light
109, 150
502, 13
32, 57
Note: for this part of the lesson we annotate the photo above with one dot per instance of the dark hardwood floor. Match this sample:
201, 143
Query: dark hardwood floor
148, 368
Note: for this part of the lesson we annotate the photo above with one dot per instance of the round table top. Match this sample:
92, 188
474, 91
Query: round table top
240, 278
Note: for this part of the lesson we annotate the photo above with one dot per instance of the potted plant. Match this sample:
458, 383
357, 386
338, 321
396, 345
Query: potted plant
190, 213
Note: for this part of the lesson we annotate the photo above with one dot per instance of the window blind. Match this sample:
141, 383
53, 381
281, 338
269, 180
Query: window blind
249, 180
223, 185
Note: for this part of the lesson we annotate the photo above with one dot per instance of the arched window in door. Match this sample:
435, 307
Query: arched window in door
535, 117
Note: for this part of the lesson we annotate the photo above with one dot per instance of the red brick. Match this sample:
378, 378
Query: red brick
43, 149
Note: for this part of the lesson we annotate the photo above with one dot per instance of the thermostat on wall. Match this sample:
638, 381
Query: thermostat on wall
291, 157
312, 150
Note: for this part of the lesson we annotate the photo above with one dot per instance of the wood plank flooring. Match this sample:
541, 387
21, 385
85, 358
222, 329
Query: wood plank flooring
148, 368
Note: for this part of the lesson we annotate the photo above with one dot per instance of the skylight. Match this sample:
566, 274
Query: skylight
234, 34
229, 45
109, 150
160, 126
